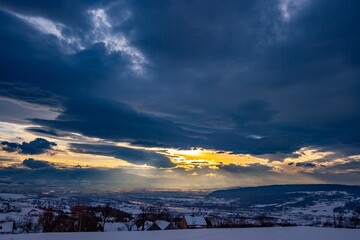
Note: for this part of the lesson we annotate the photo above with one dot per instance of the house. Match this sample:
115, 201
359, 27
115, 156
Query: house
148, 226
191, 221
151, 226
165, 225
6, 227
34, 213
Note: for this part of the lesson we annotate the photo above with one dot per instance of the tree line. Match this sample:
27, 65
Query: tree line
83, 218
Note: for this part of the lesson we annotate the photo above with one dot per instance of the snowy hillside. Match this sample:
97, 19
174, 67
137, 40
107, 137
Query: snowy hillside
298, 202
290, 233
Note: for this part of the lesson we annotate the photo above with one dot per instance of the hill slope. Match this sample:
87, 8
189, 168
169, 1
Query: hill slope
300, 195
276, 190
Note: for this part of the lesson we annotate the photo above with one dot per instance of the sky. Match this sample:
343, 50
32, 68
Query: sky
187, 95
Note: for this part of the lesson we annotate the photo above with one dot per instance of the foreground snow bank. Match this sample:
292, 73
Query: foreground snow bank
290, 233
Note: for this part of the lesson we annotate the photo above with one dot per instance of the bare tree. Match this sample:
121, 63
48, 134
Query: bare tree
46, 220
129, 225
84, 218
340, 219
263, 220
355, 218
105, 214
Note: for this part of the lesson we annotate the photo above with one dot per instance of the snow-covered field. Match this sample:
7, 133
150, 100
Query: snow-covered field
290, 233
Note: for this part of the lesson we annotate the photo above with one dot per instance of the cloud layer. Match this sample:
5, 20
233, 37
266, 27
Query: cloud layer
265, 78
37, 146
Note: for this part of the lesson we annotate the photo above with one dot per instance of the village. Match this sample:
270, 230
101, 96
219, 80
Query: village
20, 214
149, 211
51, 212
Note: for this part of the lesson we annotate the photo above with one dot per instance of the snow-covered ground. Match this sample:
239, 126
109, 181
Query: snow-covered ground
11, 196
290, 233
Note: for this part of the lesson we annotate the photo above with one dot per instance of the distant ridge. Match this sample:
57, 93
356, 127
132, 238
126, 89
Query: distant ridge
277, 191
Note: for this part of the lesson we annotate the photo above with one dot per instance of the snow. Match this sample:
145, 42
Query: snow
319, 209
195, 220
113, 227
162, 224
289, 233
148, 224
11, 196
6, 227
265, 205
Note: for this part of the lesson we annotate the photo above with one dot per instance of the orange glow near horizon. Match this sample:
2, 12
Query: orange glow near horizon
197, 164
211, 158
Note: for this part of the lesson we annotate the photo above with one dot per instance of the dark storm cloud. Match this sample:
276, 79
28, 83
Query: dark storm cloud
351, 165
347, 172
43, 131
297, 77
249, 74
253, 112
37, 146
10, 147
279, 156
36, 164
271, 140
135, 156
48, 75
29, 94
224, 71
116, 121
305, 164
252, 168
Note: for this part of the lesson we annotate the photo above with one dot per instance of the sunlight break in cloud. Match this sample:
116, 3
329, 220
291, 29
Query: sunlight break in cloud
114, 42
